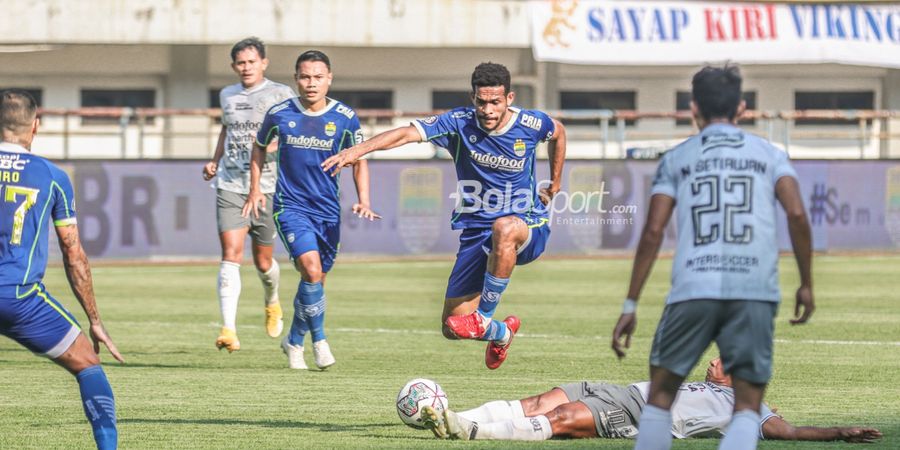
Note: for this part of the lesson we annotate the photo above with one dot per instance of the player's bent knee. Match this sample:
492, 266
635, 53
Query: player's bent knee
79, 356
572, 420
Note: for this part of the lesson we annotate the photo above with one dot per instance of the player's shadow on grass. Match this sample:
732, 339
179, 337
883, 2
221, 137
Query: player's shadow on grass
326, 427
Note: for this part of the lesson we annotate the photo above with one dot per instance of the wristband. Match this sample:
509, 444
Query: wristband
629, 306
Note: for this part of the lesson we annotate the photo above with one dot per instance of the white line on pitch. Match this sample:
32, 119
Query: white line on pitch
566, 336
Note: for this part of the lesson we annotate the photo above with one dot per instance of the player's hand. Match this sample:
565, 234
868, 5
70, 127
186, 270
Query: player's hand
625, 326
364, 212
255, 203
98, 335
546, 194
336, 162
210, 169
805, 304
859, 435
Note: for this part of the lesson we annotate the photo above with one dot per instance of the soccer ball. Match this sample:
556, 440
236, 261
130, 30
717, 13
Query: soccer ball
417, 394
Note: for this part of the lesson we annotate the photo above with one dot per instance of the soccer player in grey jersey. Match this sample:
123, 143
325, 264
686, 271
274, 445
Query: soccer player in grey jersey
244, 105
604, 410
725, 270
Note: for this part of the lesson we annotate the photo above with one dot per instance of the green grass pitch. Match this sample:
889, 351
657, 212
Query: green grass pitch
178, 391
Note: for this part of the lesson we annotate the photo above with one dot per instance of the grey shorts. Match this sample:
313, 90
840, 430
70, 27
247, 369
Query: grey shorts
616, 409
742, 329
228, 217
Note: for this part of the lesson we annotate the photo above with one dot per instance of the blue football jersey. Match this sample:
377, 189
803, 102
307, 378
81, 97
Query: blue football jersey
32, 192
723, 182
495, 170
305, 140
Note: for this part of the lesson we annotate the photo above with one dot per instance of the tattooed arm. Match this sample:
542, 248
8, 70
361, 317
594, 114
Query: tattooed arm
78, 272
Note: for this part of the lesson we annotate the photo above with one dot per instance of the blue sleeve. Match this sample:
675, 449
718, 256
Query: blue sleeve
269, 127
548, 128
62, 198
355, 131
438, 129
664, 180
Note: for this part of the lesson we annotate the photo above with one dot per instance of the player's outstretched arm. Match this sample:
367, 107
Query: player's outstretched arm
661, 207
211, 167
778, 428
78, 272
363, 209
256, 201
556, 149
382, 141
787, 190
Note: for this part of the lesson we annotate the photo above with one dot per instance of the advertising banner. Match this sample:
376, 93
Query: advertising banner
163, 210
670, 32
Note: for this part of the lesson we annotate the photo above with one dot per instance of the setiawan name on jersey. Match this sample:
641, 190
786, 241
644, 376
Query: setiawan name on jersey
311, 142
497, 161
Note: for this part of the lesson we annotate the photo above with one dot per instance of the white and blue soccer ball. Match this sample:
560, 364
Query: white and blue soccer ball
417, 394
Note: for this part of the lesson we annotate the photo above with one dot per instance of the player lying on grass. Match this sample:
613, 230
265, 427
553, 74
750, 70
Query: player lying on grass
590, 410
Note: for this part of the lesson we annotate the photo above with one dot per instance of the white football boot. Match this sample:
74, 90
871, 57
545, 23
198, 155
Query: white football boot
294, 354
322, 353
458, 427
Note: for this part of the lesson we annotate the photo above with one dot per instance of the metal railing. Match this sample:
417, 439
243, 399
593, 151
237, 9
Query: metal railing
141, 133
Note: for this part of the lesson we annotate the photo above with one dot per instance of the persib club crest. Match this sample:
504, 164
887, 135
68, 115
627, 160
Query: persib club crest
330, 128
519, 147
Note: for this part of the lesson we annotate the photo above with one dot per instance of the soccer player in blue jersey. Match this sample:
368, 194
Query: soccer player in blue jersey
307, 213
725, 271
33, 191
500, 210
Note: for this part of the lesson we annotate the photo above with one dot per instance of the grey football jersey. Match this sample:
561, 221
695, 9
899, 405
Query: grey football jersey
703, 409
723, 182
242, 114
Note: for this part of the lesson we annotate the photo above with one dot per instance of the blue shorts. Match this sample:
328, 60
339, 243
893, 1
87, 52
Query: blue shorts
301, 233
475, 244
36, 320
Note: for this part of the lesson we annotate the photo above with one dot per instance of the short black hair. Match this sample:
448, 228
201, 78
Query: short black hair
490, 75
312, 55
717, 91
17, 110
250, 42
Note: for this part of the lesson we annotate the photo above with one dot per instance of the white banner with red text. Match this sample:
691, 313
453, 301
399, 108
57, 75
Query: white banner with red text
668, 32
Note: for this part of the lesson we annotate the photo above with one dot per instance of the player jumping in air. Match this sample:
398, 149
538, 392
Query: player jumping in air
501, 211
307, 212
725, 271
243, 106
34, 191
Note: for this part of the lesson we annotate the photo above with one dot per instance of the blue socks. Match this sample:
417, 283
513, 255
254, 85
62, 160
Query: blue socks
496, 330
490, 294
99, 406
312, 303
299, 327
490, 298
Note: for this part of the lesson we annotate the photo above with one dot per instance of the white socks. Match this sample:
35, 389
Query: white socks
229, 292
270, 283
655, 429
522, 429
495, 411
743, 432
